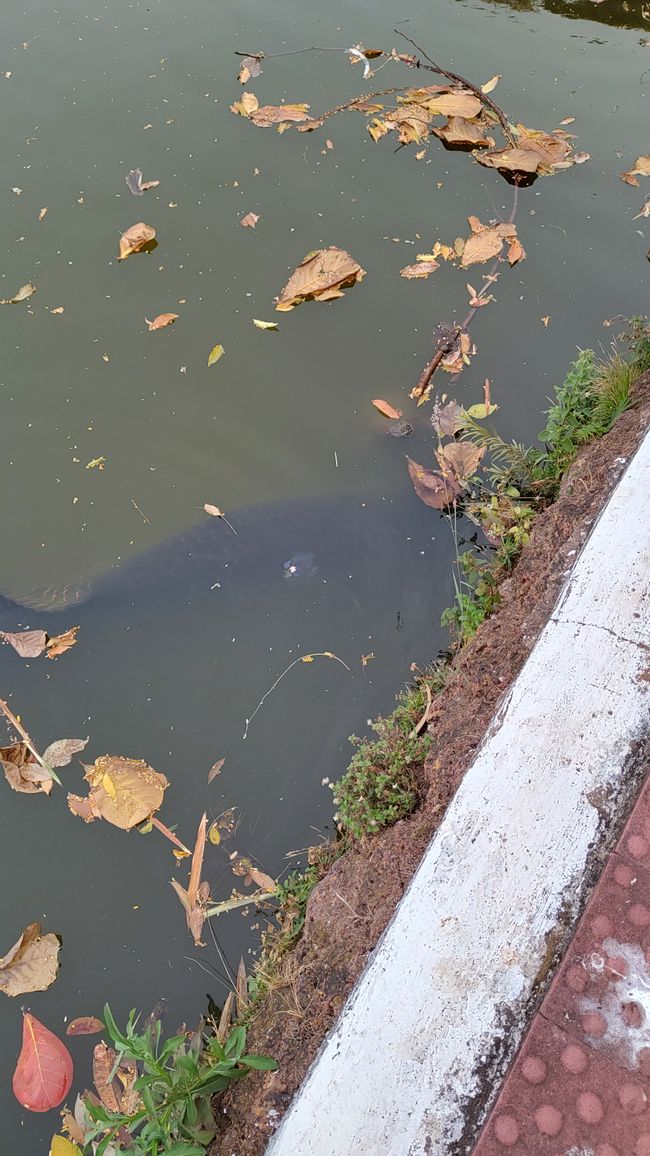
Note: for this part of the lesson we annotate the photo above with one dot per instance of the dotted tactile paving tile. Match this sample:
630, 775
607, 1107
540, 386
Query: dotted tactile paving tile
580, 1084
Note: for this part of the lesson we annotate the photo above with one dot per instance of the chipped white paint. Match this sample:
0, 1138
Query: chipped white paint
629, 986
457, 964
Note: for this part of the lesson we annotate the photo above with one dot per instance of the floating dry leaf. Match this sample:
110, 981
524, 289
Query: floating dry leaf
641, 168
431, 487
62, 642
215, 353
27, 643
265, 324
545, 322
84, 1026
459, 460
476, 300
250, 68
282, 115
215, 770
581, 158
420, 269
387, 409
645, 211
22, 295
31, 964
161, 321
123, 791
250, 220
135, 239
491, 84
136, 185
537, 153
321, 276
96, 464
462, 133
23, 772
43, 213
61, 751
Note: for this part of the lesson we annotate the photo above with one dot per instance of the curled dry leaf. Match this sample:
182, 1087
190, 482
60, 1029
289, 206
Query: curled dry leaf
321, 276
110, 1077
162, 321
135, 239
265, 324
84, 1026
420, 269
43, 1075
23, 294
123, 791
387, 409
250, 220
62, 642
645, 211
431, 487
283, 115
581, 158
23, 772
641, 168
31, 964
43, 214
491, 84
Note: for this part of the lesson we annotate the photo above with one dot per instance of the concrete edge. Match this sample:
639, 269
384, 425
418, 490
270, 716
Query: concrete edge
450, 982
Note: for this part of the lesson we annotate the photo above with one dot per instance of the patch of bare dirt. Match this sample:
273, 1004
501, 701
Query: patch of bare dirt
351, 906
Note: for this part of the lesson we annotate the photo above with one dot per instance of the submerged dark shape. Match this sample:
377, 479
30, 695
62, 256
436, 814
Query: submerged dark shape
340, 546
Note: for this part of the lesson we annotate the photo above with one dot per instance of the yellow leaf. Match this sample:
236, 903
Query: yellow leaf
214, 834
215, 354
265, 324
94, 463
307, 658
60, 1146
109, 786
491, 84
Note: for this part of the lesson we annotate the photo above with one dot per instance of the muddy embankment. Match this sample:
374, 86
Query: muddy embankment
349, 909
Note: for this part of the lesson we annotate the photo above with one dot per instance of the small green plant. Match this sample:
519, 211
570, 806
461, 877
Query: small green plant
177, 1078
380, 786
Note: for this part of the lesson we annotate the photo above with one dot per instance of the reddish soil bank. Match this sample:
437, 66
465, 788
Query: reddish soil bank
350, 907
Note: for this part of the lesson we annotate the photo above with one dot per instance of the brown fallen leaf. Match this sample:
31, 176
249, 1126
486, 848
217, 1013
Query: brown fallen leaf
62, 642
459, 460
321, 276
27, 643
215, 770
135, 239
420, 269
516, 251
84, 1026
476, 301
645, 211
260, 879
250, 220
640, 168
104, 1061
460, 132
31, 964
161, 321
282, 115
23, 772
386, 408
431, 487
59, 309
123, 791
60, 753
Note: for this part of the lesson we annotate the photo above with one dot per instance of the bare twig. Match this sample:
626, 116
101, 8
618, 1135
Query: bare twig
301, 658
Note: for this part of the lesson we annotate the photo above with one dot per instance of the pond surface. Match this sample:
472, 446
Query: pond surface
280, 432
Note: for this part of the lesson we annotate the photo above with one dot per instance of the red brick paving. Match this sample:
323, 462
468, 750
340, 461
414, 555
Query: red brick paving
580, 1084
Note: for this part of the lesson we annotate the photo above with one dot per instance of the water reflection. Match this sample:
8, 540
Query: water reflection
615, 13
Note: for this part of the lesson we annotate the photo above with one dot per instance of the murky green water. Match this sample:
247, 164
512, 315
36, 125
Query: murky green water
96, 90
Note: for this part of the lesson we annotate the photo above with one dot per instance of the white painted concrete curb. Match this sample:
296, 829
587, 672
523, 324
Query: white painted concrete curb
460, 957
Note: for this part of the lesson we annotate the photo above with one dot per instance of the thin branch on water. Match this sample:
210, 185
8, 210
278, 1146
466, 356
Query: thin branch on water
17, 725
301, 658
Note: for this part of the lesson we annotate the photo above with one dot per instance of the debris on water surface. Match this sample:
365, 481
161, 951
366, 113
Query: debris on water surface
300, 565
161, 321
136, 185
321, 276
31, 964
123, 791
399, 429
22, 295
385, 408
135, 239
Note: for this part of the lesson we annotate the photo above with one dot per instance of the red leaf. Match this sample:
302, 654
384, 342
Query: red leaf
43, 1075
386, 408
